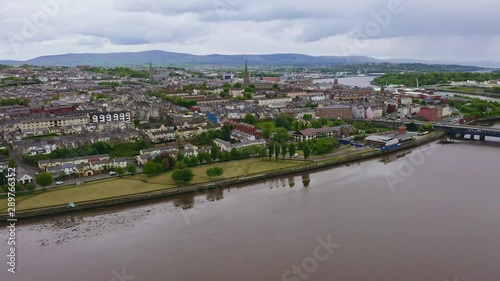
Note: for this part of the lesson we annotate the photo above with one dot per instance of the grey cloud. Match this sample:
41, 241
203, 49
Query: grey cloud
238, 26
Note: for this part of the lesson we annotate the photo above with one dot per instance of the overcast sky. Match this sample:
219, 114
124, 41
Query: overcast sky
417, 29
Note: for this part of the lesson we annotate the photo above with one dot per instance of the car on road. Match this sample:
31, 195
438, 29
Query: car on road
59, 182
112, 173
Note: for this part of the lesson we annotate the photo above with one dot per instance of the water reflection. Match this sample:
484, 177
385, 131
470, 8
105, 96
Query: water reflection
215, 194
185, 201
306, 179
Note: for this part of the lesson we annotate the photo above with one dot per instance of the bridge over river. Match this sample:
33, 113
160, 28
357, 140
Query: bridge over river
455, 131
459, 131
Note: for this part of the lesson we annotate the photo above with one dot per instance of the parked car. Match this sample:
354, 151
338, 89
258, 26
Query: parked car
59, 182
112, 173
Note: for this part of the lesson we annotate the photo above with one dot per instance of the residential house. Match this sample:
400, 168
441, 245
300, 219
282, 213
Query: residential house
23, 177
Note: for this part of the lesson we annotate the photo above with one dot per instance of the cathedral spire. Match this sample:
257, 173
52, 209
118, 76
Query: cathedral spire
246, 79
150, 71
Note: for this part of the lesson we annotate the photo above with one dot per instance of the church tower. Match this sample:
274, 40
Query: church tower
246, 79
150, 71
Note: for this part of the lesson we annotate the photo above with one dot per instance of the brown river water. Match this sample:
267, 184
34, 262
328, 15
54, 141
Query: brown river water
432, 214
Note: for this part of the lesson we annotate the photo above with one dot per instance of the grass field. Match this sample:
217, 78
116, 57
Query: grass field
139, 184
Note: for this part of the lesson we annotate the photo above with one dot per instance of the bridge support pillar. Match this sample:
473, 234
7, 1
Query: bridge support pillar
482, 138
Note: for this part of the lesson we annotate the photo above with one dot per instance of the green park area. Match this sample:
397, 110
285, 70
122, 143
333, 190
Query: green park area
140, 183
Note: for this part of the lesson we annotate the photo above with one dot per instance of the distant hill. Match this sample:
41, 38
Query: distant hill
181, 59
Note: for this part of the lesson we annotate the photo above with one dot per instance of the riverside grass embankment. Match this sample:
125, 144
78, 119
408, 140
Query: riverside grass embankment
138, 188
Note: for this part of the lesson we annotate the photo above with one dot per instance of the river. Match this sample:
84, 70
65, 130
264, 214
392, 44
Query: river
365, 81
433, 214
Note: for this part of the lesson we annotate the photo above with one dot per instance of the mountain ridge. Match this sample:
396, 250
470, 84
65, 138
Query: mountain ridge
164, 58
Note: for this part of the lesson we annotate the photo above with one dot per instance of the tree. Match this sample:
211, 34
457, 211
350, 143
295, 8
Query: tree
165, 163
120, 171
44, 179
307, 117
266, 133
316, 124
276, 87
30, 187
215, 172
426, 128
250, 119
277, 151
132, 169
180, 156
284, 149
214, 151
192, 161
284, 121
11, 163
183, 176
262, 152
235, 154
281, 135
291, 149
237, 85
208, 158
180, 165
152, 168
136, 122
306, 150
270, 150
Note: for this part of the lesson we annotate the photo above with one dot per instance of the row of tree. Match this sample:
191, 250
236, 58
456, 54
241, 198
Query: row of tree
277, 149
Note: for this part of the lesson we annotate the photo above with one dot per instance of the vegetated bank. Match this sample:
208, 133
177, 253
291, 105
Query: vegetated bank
221, 183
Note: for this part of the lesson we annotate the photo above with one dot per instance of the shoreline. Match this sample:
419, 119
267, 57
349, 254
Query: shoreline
488, 95
86, 205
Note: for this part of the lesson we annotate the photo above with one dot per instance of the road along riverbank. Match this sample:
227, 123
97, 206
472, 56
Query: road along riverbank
347, 159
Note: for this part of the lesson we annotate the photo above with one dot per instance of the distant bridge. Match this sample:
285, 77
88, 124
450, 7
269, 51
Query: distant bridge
460, 131
456, 131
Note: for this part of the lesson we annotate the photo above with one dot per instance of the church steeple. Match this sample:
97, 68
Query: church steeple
150, 71
246, 79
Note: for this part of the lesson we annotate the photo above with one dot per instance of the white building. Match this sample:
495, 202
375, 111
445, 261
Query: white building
358, 112
270, 102
406, 101
446, 111
403, 111
374, 112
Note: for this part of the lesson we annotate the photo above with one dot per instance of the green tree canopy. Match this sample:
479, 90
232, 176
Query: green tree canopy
284, 149
281, 135
183, 176
250, 119
277, 151
306, 150
215, 172
120, 171
270, 150
152, 168
132, 169
291, 149
44, 179
284, 121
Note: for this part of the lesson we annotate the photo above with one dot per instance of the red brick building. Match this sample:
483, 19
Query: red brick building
245, 128
430, 113
334, 112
